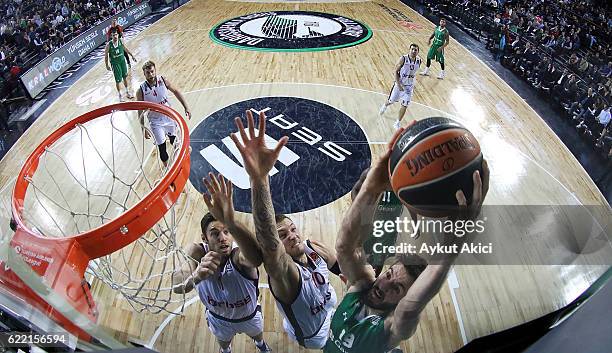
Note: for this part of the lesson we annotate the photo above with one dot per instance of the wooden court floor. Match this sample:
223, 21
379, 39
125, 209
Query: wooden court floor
529, 164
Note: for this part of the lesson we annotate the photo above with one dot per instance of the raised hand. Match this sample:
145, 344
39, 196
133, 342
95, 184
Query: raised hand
378, 176
481, 187
208, 265
258, 158
219, 198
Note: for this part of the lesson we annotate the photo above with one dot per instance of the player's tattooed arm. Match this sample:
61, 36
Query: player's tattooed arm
258, 161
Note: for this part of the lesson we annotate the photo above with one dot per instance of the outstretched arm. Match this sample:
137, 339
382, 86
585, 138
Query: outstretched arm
220, 203
106, 56
179, 96
258, 161
357, 222
405, 318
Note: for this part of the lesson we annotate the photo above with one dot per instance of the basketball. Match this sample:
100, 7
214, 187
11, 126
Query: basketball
430, 161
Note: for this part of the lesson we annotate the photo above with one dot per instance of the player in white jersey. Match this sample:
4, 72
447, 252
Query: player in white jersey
307, 316
298, 270
405, 74
225, 276
155, 89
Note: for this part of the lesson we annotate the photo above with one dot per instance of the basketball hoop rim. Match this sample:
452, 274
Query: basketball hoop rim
156, 202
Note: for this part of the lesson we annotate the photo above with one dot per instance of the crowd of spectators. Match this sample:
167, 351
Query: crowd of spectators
562, 48
30, 30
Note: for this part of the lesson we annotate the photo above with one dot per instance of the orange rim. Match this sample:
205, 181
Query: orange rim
109, 237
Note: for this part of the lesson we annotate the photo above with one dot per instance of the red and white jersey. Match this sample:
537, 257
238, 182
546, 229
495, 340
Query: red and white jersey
157, 93
229, 294
304, 318
409, 70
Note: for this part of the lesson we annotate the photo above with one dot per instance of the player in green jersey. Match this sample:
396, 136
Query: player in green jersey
441, 39
388, 209
377, 313
115, 51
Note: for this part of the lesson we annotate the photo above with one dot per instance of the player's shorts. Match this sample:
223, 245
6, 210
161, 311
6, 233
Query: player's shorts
433, 53
120, 70
404, 97
226, 330
318, 340
160, 131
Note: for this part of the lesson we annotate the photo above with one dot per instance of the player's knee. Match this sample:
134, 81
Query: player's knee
163, 154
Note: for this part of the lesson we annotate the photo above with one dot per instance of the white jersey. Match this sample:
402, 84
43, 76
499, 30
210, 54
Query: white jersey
156, 94
230, 295
309, 314
409, 70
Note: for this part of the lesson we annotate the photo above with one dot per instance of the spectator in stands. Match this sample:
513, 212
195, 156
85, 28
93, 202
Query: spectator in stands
566, 45
535, 75
59, 19
574, 61
603, 119
595, 121
549, 78
606, 70
578, 109
568, 92
65, 11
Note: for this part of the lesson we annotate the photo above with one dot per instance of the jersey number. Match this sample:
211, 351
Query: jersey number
318, 278
347, 340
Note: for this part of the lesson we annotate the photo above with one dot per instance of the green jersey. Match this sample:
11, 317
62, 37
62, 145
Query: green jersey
116, 52
353, 332
389, 208
439, 36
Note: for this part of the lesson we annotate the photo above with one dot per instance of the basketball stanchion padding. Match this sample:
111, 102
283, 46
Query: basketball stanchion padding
430, 161
62, 262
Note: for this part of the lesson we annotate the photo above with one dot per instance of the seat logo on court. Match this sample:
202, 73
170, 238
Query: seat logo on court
290, 31
326, 152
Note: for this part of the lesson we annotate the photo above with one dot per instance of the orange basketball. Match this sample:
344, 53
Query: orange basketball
430, 161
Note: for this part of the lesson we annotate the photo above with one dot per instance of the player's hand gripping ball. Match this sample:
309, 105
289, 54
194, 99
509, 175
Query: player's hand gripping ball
430, 161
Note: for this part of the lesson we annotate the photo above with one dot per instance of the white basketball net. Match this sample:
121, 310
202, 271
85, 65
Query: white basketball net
92, 175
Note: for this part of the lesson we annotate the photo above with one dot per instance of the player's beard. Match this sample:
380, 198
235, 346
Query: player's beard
367, 300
